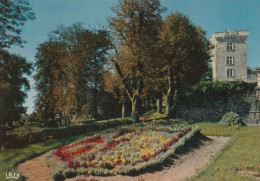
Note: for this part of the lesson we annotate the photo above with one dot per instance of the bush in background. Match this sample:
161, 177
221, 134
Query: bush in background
230, 119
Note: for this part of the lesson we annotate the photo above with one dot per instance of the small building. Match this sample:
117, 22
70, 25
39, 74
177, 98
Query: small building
229, 56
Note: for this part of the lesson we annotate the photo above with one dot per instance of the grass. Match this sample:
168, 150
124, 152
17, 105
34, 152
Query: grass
10, 158
214, 129
242, 150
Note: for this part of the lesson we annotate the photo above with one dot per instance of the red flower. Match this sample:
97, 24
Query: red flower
77, 164
175, 139
71, 165
143, 118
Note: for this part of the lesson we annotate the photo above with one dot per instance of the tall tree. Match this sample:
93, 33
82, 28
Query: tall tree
185, 53
50, 79
77, 61
13, 85
136, 27
13, 15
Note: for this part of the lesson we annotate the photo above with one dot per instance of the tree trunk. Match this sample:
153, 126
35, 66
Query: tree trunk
53, 125
2, 124
2, 136
169, 96
159, 105
60, 119
123, 110
137, 84
135, 113
148, 102
95, 103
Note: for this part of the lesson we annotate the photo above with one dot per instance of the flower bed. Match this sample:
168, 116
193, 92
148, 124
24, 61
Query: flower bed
121, 150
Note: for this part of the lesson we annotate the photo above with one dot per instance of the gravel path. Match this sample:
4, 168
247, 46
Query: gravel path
185, 166
36, 169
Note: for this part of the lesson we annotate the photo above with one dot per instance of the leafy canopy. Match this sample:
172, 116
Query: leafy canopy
13, 15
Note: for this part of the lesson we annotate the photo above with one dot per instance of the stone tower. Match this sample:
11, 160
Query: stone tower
229, 55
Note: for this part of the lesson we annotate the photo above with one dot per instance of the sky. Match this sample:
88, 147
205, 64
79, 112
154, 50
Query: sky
212, 15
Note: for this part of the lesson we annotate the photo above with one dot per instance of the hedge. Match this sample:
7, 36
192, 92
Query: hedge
17, 140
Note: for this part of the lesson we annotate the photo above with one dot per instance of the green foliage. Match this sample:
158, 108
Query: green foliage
28, 123
179, 33
13, 15
251, 70
230, 119
184, 53
212, 91
57, 176
227, 88
13, 85
69, 173
136, 26
69, 79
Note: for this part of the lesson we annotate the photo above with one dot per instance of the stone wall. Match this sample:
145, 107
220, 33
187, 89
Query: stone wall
214, 110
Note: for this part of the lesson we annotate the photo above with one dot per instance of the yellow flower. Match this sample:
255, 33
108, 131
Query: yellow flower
116, 160
123, 161
145, 138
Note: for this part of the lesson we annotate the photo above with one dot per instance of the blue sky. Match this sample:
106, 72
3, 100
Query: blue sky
211, 15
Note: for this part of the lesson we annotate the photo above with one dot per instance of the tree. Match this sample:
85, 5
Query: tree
251, 70
99, 46
155, 85
114, 86
13, 85
136, 28
13, 15
50, 78
70, 66
185, 53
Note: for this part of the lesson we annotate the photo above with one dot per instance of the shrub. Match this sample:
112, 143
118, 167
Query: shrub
230, 118
57, 176
69, 173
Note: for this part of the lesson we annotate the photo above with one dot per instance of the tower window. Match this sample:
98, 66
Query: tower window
230, 60
230, 46
230, 72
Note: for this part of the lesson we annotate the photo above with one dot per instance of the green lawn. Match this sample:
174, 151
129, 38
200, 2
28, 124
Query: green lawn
242, 150
10, 158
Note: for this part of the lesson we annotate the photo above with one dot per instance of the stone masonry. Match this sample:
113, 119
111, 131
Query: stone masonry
254, 113
229, 56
